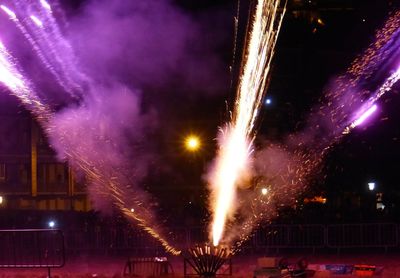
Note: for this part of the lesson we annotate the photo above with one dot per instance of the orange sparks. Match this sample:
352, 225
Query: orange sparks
235, 147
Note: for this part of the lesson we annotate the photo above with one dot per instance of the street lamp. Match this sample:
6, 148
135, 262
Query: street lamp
192, 143
371, 186
51, 224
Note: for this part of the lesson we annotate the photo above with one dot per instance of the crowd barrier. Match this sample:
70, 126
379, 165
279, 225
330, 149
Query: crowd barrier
32, 248
338, 236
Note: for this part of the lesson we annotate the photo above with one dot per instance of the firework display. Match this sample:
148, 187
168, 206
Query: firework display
235, 140
286, 166
57, 56
290, 165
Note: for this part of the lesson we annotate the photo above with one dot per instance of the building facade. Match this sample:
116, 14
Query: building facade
31, 175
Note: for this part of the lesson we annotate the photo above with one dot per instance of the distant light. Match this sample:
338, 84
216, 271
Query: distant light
52, 224
371, 186
268, 101
192, 143
132, 210
264, 191
1, 200
380, 206
363, 20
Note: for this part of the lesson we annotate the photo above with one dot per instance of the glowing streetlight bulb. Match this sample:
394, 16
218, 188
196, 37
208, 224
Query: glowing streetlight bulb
192, 143
371, 186
52, 224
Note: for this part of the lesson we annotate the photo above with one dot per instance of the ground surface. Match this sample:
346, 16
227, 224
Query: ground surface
243, 266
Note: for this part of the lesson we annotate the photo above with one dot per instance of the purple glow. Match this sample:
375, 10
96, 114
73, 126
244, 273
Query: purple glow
45, 5
365, 115
36, 21
10, 13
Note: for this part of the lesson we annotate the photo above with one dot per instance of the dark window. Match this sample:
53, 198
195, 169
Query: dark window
2, 172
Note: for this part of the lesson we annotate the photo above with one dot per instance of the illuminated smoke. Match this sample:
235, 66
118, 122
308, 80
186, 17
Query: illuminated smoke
232, 160
288, 167
91, 130
91, 156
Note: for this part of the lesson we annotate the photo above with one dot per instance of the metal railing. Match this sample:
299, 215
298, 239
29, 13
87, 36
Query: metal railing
362, 235
32, 248
296, 236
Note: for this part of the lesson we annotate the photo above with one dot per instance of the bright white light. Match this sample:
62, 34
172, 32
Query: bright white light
132, 210
1, 200
37, 21
9, 12
51, 224
264, 191
371, 186
268, 101
45, 5
365, 115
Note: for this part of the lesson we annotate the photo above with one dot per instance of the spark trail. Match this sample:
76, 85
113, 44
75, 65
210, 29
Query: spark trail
371, 106
33, 43
291, 166
236, 139
75, 154
41, 30
12, 78
19, 87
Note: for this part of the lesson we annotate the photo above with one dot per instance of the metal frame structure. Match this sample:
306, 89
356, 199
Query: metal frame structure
32, 248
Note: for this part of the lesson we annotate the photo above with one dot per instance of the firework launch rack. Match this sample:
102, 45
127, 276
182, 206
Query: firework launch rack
207, 261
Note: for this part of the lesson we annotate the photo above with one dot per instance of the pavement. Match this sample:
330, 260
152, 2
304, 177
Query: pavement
85, 266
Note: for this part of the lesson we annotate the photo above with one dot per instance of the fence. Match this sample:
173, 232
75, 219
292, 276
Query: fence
381, 235
32, 249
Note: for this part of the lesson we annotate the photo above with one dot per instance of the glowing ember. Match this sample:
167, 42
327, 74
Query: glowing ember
235, 145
